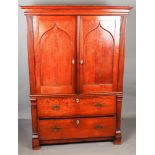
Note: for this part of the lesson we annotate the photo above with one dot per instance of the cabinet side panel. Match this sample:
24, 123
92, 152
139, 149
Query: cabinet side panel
31, 59
121, 54
120, 81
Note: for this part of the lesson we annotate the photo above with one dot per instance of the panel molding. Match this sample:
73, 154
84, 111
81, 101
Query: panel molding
99, 25
55, 28
106, 32
76, 10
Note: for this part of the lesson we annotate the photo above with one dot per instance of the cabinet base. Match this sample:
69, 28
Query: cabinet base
118, 138
64, 141
35, 144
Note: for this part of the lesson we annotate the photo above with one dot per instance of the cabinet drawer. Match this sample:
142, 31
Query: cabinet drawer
56, 107
76, 128
81, 106
103, 105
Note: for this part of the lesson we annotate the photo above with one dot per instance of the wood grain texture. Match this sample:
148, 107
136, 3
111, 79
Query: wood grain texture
69, 107
121, 53
118, 138
51, 45
69, 128
76, 10
76, 95
56, 107
35, 141
99, 46
76, 63
97, 106
34, 116
63, 141
55, 50
35, 144
31, 54
98, 55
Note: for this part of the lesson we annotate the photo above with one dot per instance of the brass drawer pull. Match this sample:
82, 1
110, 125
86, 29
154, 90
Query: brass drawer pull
56, 129
98, 127
77, 100
55, 107
99, 105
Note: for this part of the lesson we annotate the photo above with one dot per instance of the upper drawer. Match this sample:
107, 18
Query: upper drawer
82, 106
105, 105
55, 107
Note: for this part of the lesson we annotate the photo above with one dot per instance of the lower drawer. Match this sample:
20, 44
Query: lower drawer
76, 128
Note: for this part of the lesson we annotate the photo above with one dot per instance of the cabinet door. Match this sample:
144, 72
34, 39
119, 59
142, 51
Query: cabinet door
99, 51
54, 43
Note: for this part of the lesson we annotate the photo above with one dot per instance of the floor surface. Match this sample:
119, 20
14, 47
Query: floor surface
128, 147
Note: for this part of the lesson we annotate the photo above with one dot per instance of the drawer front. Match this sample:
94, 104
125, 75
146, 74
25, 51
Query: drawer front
76, 128
105, 105
81, 106
56, 107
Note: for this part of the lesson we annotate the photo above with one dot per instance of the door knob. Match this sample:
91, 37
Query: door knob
73, 61
82, 62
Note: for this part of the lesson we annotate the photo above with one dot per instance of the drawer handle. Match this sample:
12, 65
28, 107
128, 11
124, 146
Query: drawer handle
55, 107
99, 105
77, 100
56, 129
98, 127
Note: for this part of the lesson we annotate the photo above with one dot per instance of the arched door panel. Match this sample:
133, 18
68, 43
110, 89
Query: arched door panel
98, 54
55, 50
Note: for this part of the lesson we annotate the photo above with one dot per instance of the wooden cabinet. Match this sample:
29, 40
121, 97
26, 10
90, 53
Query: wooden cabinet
76, 60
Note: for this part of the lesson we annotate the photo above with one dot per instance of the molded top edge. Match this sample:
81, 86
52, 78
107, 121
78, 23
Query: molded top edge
75, 7
75, 10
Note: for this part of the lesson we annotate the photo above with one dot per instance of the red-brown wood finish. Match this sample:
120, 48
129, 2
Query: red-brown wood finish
99, 44
76, 10
62, 141
76, 107
76, 128
54, 38
76, 63
31, 54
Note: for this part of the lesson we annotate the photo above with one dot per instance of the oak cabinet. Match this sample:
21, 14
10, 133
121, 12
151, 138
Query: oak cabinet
76, 60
